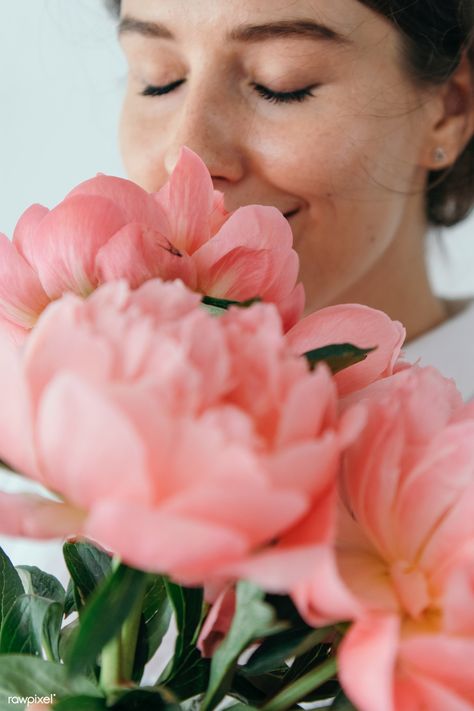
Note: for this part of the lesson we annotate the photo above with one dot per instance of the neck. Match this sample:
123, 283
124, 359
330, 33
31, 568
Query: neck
399, 284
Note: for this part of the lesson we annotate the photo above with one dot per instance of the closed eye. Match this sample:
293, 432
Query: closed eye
284, 97
151, 90
275, 97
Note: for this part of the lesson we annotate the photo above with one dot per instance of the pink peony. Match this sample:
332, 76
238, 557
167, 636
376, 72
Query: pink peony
402, 565
405, 549
181, 441
218, 622
109, 228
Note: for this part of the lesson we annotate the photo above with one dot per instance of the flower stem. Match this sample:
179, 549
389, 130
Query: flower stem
302, 687
129, 634
111, 664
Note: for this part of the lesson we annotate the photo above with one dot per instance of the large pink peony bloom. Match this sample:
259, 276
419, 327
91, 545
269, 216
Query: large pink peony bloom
403, 562
405, 549
109, 228
181, 441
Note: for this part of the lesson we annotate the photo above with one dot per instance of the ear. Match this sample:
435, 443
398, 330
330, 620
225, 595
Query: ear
451, 118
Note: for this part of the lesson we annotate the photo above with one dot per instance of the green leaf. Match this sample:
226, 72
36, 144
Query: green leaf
213, 310
337, 356
66, 637
81, 703
104, 614
71, 599
256, 689
32, 627
156, 612
342, 703
154, 623
245, 690
146, 699
37, 582
88, 565
188, 610
308, 660
285, 610
10, 585
22, 675
300, 689
191, 677
273, 652
224, 304
253, 619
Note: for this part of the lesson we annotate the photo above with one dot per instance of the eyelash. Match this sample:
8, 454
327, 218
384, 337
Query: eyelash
283, 97
274, 97
161, 90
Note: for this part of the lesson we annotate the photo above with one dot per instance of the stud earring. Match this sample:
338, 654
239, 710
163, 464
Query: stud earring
439, 154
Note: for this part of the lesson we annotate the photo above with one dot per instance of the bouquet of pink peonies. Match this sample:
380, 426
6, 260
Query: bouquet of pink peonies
287, 492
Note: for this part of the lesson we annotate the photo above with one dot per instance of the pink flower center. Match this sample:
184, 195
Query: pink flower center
411, 587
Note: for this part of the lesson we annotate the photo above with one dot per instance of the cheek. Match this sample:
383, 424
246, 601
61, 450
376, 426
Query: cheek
345, 157
353, 186
141, 147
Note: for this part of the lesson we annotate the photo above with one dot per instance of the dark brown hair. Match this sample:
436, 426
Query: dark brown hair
437, 34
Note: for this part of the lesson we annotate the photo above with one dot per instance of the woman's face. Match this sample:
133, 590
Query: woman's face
300, 104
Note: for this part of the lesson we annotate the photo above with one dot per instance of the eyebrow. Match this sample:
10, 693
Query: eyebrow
286, 28
242, 33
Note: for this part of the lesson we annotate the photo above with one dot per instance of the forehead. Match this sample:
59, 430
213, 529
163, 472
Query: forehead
344, 21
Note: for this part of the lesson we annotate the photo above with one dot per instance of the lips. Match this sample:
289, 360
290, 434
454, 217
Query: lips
291, 213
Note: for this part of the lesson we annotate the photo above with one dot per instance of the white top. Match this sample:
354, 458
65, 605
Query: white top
449, 347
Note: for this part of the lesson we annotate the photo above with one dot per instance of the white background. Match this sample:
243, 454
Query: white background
61, 81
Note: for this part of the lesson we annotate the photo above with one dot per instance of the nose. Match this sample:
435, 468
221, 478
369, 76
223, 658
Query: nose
207, 123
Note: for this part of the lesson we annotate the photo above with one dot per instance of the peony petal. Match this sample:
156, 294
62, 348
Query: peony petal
188, 200
419, 693
67, 241
285, 275
292, 307
13, 333
367, 659
352, 323
439, 483
371, 477
458, 599
217, 623
158, 542
364, 571
254, 228
310, 407
134, 203
308, 467
25, 230
22, 297
416, 390
219, 214
88, 447
58, 343
451, 541
32, 516
239, 275
303, 563
137, 253
446, 661
257, 513
16, 436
